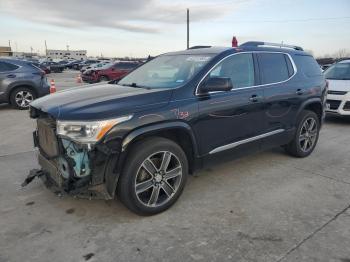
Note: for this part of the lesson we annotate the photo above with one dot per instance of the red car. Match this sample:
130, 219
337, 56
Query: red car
109, 72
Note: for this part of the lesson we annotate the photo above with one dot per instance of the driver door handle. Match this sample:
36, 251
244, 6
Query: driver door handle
254, 98
299, 92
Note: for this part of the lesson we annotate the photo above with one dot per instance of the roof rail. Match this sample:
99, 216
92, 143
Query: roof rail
199, 46
257, 44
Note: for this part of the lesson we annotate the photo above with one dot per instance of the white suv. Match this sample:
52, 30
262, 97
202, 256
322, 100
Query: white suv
338, 97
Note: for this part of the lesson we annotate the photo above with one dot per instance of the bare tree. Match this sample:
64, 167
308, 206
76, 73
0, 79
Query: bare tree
341, 53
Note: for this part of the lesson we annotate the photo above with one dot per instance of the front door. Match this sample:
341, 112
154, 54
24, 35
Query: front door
231, 119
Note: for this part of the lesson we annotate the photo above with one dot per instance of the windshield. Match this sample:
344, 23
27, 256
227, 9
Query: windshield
166, 71
340, 71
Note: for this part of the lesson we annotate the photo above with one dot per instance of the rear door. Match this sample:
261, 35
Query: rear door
229, 120
282, 96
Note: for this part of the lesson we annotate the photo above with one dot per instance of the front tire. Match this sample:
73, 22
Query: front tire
306, 136
21, 97
153, 177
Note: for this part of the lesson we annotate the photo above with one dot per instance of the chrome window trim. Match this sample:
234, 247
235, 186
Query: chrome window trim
247, 140
249, 52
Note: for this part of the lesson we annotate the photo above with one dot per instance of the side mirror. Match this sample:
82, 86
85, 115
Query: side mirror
214, 84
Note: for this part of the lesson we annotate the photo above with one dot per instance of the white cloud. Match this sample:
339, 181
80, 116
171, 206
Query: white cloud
147, 16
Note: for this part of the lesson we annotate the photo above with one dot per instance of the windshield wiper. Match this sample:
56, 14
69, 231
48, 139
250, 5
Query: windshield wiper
135, 85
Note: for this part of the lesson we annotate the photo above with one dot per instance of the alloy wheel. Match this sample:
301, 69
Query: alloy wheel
158, 179
23, 98
308, 134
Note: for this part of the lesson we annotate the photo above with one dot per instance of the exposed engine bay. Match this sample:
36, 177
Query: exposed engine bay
75, 159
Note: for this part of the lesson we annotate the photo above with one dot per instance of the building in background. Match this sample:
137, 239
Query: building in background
23, 55
5, 51
66, 54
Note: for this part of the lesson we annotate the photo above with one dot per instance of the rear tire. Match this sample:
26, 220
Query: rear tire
153, 177
306, 135
21, 97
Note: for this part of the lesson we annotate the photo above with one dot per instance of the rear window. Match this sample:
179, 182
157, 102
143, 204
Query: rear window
340, 71
4, 67
308, 65
35, 66
274, 67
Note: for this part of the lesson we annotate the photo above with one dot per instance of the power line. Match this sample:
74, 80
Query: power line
288, 20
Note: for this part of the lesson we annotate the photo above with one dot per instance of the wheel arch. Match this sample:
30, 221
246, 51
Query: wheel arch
179, 132
315, 105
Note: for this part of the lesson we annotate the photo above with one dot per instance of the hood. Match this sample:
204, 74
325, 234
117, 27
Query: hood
338, 85
100, 101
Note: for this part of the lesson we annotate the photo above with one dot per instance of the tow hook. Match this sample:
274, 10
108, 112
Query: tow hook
32, 174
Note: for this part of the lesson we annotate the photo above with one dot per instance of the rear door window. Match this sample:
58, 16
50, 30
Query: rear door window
273, 67
6, 67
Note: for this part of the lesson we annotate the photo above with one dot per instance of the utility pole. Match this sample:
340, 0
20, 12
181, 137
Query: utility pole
188, 28
45, 48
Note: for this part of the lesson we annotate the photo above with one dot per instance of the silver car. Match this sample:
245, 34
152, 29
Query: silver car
21, 82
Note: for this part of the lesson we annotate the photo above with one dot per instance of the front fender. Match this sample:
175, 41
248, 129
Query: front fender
160, 127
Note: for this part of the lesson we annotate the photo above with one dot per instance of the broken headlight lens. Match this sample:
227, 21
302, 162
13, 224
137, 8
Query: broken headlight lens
88, 131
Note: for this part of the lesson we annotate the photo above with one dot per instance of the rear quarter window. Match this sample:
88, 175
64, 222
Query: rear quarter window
307, 65
273, 67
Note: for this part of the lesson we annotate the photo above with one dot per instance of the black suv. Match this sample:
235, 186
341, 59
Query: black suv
21, 82
140, 139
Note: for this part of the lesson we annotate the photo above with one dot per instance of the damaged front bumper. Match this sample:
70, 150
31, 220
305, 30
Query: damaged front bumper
68, 167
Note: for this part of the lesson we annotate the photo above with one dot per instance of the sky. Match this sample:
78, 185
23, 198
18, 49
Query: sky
139, 28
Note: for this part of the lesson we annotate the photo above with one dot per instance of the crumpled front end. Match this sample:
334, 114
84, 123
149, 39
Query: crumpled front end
67, 166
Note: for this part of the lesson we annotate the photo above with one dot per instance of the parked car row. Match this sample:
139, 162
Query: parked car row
18, 75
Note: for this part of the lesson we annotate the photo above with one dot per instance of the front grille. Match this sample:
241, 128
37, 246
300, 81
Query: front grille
46, 137
336, 92
333, 104
347, 106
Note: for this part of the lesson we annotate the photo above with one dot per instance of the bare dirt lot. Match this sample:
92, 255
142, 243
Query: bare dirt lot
264, 207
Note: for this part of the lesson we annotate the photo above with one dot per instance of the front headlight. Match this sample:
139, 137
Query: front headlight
88, 131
